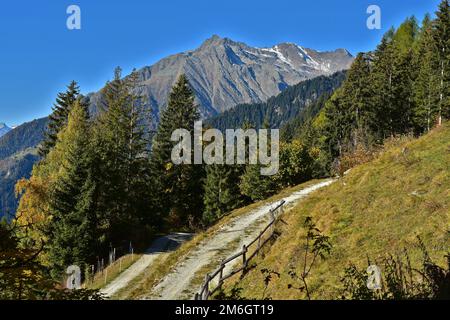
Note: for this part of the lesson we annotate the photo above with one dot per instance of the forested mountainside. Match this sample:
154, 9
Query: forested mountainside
293, 103
12, 169
221, 73
27, 135
281, 109
18, 153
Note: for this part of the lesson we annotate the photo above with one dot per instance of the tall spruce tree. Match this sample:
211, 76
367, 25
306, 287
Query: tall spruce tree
441, 30
121, 166
58, 118
348, 111
71, 237
382, 85
392, 80
356, 96
180, 187
426, 84
337, 129
402, 78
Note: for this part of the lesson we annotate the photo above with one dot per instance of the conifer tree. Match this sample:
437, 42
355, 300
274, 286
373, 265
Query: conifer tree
121, 166
253, 184
406, 89
403, 76
179, 186
405, 35
340, 124
441, 30
221, 191
58, 118
402, 82
426, 84
71, 238
356, 99
382, 87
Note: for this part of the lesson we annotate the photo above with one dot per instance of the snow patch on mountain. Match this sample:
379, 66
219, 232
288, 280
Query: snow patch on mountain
279, 55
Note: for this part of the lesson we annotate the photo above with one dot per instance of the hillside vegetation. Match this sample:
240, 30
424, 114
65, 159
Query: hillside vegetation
379, 208
18, 154
27, 135
13, 168
296, 101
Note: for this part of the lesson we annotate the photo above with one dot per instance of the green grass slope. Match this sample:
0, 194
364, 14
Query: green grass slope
379, 208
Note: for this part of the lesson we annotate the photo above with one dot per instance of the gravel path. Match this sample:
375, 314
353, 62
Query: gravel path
226, 241
159, 246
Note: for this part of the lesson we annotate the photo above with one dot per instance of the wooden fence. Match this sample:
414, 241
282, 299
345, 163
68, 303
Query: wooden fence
259, 242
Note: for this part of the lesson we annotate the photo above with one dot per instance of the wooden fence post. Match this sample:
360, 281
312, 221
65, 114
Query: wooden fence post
272, 214
244, 256
222, 266
206, 291
259, 244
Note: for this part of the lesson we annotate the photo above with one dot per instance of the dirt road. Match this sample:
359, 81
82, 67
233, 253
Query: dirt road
159, 246
184, 281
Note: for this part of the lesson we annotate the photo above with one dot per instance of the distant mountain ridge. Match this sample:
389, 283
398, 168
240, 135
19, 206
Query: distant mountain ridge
25, 136
224, 73
18, 154
18, 148
4, 129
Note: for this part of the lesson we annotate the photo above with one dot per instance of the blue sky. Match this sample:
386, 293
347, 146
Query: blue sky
39, 55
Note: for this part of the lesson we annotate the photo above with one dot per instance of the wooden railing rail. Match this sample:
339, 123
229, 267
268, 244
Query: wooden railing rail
205, 291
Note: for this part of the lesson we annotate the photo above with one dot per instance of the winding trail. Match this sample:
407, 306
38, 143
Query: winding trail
183, 282
158, 247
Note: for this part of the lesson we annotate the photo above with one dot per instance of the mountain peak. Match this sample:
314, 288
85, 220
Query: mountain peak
213, 40
216, 40
343, 51
214, 37
4, 129
224, 72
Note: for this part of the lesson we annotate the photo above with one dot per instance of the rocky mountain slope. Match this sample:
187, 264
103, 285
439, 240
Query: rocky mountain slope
4, 129
224, 73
